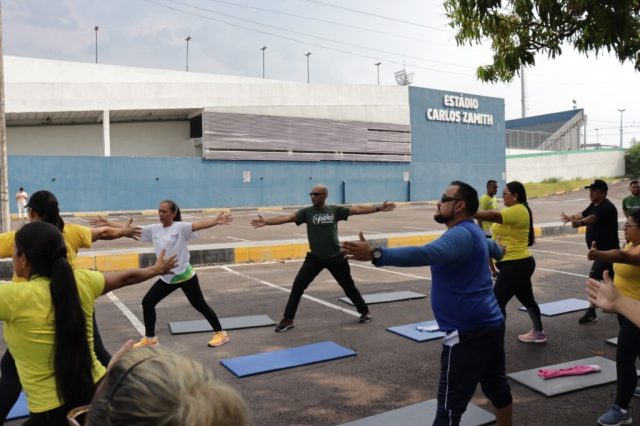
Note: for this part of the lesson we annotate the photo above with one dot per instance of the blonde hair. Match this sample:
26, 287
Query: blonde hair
154, 387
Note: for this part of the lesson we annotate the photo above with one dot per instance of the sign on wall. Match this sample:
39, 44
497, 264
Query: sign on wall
459, 109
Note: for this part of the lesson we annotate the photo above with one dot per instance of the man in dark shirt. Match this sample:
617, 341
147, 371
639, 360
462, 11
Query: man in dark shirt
601, 220
322, 233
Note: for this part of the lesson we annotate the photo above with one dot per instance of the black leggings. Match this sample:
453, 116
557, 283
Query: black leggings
338, 266
514, 279
10, 386
160, 290
627, 351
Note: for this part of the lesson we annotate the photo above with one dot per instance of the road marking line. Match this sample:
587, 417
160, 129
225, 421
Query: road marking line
562, 272
239, 239
391, 272
584, 256
286, 290
127, 313
564, 242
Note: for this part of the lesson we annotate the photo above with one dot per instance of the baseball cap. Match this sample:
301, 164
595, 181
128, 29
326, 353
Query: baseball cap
598, 184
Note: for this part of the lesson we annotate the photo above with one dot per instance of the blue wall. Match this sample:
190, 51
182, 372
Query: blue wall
442, 151
130, 183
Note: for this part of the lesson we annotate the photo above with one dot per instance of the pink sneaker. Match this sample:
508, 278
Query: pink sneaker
533, 337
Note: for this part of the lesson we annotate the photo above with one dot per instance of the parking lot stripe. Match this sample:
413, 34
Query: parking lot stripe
127, 313
286, 290
562, 272
391, 272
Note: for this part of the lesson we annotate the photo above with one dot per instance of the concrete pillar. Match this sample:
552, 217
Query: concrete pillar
106, 133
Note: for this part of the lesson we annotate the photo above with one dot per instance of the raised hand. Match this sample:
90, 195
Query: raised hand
358, 250
259, 222
101, 221
603, 295
592, 251
224, 218
387, 206
565, 218
165, 265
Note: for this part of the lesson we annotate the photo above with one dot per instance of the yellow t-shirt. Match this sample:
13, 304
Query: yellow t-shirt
627, 278
75, 237
513, 232
487, 203
29, 331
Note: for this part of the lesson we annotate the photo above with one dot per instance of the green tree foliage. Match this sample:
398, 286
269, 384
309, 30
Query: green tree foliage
520, 29
632, 161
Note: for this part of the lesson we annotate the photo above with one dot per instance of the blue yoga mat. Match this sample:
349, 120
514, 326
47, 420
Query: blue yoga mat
19, 409
411, 331
266, 362
558, 307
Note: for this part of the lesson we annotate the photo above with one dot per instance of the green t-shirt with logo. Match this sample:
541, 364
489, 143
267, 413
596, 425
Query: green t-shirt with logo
322, 228
630, 205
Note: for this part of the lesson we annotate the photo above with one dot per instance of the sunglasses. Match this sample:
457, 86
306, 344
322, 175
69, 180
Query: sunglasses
446, 199
316, 194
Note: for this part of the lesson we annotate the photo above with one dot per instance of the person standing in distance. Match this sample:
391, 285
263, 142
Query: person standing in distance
488, 201
21, 203
631, 203
601, 220
322, 232
463, 303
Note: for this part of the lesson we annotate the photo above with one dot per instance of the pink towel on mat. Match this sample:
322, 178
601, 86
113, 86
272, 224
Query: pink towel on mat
575, 370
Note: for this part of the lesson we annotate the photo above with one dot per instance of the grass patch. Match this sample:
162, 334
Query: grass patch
553, 185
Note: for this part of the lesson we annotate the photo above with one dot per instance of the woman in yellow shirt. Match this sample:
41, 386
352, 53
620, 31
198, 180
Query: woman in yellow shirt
48, 326
43, 206
513, 226
626, 267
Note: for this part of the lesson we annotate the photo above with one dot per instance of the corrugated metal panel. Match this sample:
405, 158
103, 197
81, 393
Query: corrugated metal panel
231, 136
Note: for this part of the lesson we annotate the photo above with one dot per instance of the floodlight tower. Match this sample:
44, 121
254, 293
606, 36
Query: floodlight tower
403, 78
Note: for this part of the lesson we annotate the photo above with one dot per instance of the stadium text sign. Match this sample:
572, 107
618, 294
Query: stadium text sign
460, 109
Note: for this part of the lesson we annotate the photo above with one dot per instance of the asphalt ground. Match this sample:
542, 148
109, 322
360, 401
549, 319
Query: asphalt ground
389, 371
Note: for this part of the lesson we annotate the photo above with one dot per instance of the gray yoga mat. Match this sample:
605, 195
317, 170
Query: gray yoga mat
230, 323
559, 307
393, 296
422, 414
560, 385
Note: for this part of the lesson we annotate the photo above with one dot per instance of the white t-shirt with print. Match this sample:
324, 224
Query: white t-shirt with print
173, 239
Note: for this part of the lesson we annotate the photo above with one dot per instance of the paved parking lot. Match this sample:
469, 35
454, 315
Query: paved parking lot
389, 371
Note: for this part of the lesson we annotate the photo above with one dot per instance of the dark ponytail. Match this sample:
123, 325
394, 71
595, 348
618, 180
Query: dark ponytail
45, 204
174, 209
43, 246
516, 187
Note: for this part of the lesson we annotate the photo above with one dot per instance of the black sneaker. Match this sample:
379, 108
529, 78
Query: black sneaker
365, 318
284, 325
589, 317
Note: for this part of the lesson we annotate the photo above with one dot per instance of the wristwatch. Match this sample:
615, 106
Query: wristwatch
376, 254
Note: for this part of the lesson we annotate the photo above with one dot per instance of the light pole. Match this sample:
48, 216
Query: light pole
598, 137
621, 132
263, 48
377, 64
96, 28
188, 39
307, 55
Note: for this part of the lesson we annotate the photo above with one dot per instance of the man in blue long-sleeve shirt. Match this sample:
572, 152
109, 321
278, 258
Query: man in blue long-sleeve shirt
463, 303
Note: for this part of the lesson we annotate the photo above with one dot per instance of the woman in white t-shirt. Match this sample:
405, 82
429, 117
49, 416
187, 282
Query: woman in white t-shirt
171, 235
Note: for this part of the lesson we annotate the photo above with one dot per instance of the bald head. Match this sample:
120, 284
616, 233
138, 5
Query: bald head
318, 195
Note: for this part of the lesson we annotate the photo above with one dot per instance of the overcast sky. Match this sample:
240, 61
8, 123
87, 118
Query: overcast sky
346, 38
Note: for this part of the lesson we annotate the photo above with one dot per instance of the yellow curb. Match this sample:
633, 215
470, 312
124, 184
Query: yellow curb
537, 231
117, 262
149, 212
403, 203
419, 240
213, 210
90, 214
264, 209
270, 253
582, 230
85, 262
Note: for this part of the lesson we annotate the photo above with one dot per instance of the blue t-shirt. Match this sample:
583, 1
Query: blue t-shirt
462, 295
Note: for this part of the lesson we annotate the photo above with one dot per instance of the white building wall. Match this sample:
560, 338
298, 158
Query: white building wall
77, 140
566, 165
152, 139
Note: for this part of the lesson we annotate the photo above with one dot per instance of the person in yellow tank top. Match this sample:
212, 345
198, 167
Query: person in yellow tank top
47, 321
513, 227
43, 206
626, 265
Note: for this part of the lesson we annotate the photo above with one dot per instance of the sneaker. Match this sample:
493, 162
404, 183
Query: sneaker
589, 317
147, 341
219, 338
637, 392
365, 318
533, 337
615, 417
284, 325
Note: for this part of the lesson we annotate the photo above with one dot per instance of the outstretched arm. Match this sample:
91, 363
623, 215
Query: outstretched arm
488, 216
223, 218
113, 233
260, 221
116, 280
384, 207
100, 221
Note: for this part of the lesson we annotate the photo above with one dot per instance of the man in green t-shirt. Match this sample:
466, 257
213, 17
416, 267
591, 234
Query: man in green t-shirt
488, 201
631, 203
322, 233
